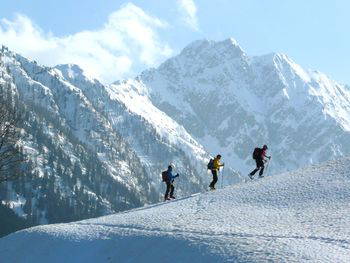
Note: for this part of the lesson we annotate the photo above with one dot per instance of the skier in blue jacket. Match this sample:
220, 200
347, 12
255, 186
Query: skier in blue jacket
169, 184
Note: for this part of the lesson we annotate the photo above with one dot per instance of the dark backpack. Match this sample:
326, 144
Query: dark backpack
165, 176
210, 165
257, 153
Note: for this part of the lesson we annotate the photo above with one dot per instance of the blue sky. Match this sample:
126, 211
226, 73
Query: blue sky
118, 39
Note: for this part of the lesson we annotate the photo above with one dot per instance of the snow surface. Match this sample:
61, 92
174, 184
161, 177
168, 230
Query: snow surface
291, 217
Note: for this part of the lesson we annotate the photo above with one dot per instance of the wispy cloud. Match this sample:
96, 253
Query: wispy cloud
189, 13
128, 41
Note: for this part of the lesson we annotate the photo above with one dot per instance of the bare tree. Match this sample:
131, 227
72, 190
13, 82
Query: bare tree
10, 153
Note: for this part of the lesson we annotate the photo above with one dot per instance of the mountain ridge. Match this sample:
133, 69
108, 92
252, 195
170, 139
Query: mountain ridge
223, 97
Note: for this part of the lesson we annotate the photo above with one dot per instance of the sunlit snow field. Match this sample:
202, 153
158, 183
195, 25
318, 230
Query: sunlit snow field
292, 217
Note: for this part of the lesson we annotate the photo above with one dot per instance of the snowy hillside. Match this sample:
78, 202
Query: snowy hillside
77, 164
156, 138
292, 217
88, 153
231, 102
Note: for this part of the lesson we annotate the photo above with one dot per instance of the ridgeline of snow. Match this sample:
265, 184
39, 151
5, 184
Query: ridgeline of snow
291, 217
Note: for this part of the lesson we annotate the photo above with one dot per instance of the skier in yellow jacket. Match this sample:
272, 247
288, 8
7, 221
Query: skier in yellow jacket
214, 171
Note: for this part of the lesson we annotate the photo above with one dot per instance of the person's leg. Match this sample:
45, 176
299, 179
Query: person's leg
172, 191
262, 166
212, 182
256, 169
215, 178
167, 190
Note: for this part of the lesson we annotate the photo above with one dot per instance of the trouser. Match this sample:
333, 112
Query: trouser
259, 166
215, 178
169, 188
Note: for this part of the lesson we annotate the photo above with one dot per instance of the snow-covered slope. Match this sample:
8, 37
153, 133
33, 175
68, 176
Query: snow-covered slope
231, 102
292, 217
156, 138
77, 165
93, 152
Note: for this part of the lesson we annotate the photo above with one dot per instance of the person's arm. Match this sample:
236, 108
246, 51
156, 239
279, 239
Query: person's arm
173, 176
265, 156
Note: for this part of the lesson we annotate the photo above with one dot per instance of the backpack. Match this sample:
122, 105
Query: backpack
257, 153
165, 176
210, 165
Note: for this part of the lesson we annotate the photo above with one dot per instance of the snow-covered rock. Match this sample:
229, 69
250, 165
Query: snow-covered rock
291, 217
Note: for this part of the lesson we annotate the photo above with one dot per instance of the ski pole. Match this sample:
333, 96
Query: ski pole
222, 176
178, 184
267, 167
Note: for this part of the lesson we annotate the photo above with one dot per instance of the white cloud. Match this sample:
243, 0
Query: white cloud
189, 13
127, 42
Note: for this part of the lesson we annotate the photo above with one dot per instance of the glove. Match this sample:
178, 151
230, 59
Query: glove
177, 175
269, 157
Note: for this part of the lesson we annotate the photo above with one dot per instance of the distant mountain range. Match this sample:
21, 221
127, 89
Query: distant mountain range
231, 102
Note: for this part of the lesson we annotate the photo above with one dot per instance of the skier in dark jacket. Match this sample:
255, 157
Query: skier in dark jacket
169, 184
260, 159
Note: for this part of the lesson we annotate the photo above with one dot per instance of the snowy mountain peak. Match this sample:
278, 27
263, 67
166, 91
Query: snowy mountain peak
232, 41
195, 45
205, 43
229, 43
6, 51
205, 50
282, 64
232, 102
74, 73
273, 58
70, 70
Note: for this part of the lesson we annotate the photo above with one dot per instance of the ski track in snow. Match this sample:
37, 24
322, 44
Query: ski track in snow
292, 217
